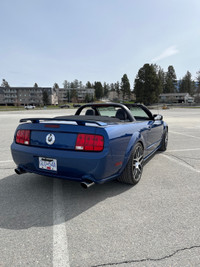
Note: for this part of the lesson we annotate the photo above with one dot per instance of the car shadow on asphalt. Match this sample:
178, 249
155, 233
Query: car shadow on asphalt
27, 200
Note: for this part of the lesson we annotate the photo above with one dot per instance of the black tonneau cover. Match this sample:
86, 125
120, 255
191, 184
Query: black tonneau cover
80, 120
88, 118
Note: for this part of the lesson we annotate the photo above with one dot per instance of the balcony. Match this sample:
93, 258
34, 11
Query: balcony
10, 96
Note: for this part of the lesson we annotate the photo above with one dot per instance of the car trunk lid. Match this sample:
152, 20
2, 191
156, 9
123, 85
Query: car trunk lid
59, 134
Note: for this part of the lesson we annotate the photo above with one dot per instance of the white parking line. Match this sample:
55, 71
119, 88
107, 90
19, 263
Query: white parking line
183, 150
188, 135
182, 163
5, 161
60, 242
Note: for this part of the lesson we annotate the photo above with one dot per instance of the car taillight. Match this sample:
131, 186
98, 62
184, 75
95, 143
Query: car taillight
23, 137
89, 142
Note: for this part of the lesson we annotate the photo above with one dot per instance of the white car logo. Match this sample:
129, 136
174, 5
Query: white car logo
50, 139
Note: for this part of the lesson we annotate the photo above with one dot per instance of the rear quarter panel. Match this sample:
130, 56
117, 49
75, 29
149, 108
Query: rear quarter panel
122, 138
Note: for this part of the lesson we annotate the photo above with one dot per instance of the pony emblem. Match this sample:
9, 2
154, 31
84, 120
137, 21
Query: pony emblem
50, 139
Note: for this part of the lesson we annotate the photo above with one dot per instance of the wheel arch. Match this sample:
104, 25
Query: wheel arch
135, 139
132, 172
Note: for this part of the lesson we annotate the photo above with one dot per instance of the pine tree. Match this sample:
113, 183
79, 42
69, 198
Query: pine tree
161, 77
117, 88
186, 84
112, 87
105, 89
88, 85
74, 95
147, 86
66, 84
98, 90
45, 97
76, 83
5, 83
170, 81
56, 86
125, 86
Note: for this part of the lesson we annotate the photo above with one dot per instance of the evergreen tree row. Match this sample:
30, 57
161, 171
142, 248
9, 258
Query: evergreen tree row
150, 82
101, 90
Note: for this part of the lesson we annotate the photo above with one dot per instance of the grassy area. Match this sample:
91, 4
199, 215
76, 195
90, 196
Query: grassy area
21, 108
10, 108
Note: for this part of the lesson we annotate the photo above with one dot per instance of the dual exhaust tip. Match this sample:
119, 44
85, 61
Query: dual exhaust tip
85, 184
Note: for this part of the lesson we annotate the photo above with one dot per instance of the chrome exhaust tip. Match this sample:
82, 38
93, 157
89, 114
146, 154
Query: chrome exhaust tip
86, 185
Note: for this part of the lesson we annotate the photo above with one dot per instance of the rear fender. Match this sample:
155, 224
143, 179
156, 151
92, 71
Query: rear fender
136, 137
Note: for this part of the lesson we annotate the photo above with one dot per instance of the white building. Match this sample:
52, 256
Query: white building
64, 94
176, 98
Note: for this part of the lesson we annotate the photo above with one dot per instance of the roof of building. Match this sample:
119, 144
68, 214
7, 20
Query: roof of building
174, 94
76, 88
24, 87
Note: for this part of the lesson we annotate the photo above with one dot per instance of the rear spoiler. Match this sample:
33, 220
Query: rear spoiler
79, 122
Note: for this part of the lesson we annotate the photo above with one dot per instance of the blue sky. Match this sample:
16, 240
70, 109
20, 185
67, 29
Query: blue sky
97, 40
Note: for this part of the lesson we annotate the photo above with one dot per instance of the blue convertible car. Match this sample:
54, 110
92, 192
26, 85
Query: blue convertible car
101, 142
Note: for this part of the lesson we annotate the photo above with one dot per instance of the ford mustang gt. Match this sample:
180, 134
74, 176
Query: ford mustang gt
101, 142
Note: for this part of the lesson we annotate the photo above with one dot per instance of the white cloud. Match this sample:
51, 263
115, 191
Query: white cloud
170, 51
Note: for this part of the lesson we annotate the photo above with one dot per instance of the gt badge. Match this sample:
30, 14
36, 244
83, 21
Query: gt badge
50, 139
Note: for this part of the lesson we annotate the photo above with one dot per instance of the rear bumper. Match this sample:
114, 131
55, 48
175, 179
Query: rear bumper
71, 165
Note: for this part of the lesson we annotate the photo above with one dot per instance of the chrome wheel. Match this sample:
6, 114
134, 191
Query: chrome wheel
133, 170
137, 163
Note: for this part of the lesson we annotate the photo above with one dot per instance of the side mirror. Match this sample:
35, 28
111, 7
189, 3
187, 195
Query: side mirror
158, 117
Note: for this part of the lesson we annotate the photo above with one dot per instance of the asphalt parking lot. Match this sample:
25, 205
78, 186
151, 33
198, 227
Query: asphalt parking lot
50, 222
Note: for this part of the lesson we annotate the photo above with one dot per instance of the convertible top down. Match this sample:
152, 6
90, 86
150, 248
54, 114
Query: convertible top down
101, 142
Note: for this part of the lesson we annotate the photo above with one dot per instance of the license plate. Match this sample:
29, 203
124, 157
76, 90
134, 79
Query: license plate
48, 164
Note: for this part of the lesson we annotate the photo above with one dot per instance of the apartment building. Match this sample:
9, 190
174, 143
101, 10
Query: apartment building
114, 96
1, 96
65, 94
176, 98
19, 96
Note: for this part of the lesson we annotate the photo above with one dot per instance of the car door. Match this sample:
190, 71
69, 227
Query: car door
154, 135
154, 126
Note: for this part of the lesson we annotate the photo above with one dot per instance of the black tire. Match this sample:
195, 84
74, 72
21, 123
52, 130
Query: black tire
164, 142
133, 170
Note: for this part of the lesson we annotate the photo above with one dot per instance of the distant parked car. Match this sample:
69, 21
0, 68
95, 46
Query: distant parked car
65, 106
29, 107
190, 100
76, 105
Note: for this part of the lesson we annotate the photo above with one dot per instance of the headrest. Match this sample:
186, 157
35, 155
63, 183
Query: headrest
90, 112
121, 114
